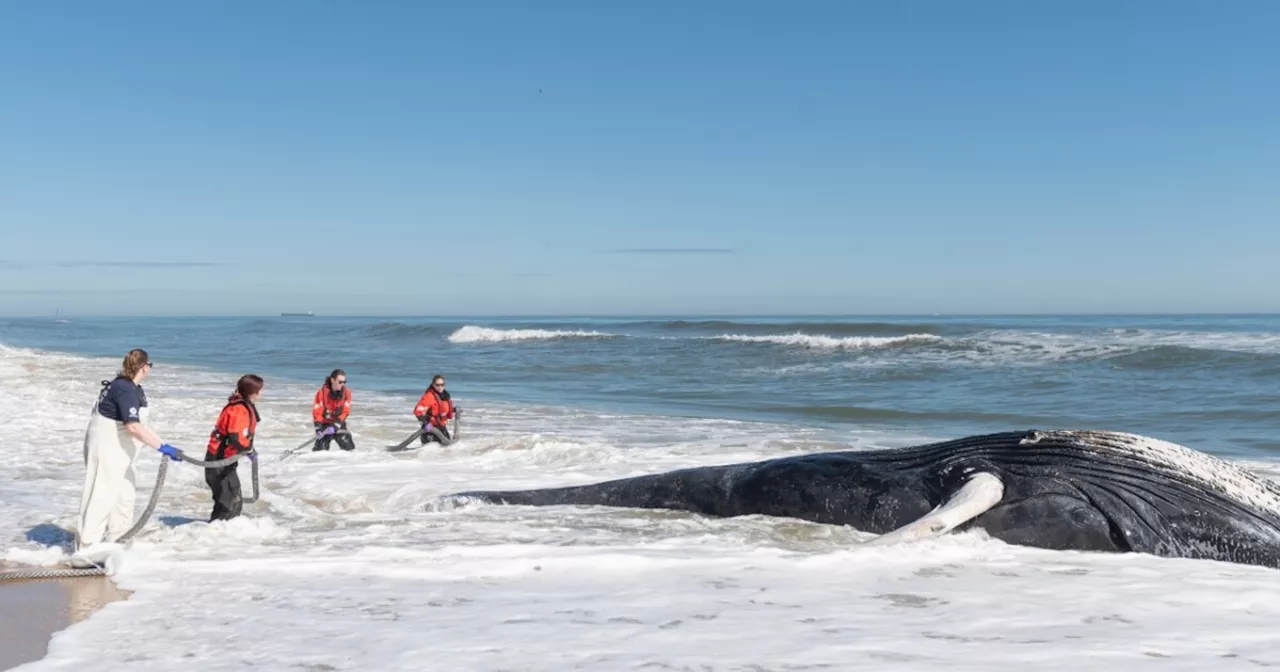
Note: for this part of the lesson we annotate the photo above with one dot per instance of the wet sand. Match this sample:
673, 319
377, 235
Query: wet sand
31, 611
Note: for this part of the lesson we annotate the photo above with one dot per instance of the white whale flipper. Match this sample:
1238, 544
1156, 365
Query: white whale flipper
981, 492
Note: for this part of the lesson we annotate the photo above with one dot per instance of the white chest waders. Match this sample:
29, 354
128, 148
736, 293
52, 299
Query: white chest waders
110, 480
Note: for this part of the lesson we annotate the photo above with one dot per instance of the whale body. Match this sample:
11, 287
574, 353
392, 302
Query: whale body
1084, 490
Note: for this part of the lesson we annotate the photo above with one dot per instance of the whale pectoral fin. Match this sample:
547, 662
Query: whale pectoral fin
981, 492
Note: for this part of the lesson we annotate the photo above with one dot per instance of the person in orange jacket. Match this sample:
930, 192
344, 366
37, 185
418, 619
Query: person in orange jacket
330, 411
434, 409
232, 435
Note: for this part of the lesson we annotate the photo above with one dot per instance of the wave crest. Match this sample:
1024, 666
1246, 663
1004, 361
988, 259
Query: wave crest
832, 342
475, 334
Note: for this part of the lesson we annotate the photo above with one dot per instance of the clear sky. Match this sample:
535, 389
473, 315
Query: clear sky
837, 156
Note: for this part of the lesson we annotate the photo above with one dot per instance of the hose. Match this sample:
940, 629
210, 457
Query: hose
59, 572
312, 441
440, 436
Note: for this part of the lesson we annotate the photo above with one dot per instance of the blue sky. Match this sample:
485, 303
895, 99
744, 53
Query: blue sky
656, 157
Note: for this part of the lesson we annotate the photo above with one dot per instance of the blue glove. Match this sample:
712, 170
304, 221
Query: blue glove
173, 453
253, 457
330, 430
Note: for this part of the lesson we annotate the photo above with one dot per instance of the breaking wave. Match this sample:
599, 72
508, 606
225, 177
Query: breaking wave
474, 334
835, 328
832, 342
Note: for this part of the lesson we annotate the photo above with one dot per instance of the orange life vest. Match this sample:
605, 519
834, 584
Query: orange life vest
327, 407
435, 407
234, 431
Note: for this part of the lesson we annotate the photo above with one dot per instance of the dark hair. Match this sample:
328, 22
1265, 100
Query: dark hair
435, 378
328, 382
248, 385
133, 362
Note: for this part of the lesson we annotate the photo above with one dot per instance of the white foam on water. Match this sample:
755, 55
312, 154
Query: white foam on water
346, 565
1003, 347
803, 340
1011, 348
475, 334
1261, 342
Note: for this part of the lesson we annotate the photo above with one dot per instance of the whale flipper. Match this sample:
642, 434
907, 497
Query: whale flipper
981, 492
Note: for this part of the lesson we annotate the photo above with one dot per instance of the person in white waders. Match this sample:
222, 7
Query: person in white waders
116, 425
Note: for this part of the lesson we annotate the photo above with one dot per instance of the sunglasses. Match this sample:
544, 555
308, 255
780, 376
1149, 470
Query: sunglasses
340, 382
438, 385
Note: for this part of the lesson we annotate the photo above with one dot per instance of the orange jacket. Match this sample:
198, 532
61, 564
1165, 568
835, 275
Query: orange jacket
434, 407
328, 408
234, 431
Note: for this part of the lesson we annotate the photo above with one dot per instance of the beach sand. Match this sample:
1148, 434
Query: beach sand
31, 611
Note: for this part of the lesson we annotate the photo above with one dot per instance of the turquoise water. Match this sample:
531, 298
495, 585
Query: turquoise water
1209, 382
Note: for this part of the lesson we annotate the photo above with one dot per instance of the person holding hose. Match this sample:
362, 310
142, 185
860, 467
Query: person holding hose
330, 410
232, 435
117, 424
434, 410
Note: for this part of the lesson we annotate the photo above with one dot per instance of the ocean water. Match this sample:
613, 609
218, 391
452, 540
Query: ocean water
346, 564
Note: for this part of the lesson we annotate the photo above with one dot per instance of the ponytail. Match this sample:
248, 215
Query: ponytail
248, 385
133, 362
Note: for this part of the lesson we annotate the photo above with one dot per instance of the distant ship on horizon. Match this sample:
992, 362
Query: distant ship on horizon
306, 314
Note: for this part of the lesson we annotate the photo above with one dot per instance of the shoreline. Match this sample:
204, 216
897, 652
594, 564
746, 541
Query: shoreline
32, 611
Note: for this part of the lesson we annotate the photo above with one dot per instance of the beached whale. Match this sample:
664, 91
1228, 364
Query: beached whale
1065, 490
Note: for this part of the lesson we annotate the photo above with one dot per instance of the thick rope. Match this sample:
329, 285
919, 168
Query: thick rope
59, 572
51, 573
